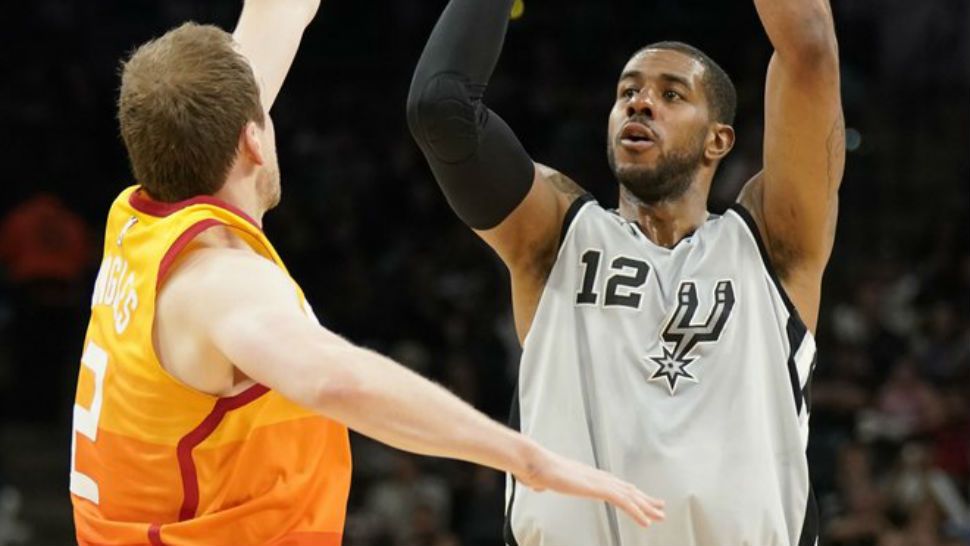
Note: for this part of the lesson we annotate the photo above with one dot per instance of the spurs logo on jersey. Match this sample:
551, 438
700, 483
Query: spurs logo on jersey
681, 334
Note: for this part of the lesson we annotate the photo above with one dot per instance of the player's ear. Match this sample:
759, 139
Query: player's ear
250, 145
720, 141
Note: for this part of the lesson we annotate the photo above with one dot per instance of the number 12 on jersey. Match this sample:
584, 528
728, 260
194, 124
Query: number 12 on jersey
86, 419
629, 274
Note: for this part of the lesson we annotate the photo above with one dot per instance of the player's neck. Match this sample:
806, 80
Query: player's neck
667, 222
240, 191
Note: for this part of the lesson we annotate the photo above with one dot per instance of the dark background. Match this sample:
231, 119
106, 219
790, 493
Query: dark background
365, 230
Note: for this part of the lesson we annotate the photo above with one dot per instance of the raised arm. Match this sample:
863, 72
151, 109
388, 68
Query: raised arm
268, 34
795, 198
486, 174
247, 310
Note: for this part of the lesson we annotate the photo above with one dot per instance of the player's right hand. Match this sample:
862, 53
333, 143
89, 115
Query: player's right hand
544, 469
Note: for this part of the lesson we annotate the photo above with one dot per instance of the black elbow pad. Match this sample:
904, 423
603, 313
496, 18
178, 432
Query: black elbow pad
446, 121
479, 163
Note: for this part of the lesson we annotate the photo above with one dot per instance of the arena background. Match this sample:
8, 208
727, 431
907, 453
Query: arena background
366, 231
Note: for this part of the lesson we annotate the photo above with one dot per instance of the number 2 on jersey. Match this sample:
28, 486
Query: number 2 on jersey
628, 274
86, 420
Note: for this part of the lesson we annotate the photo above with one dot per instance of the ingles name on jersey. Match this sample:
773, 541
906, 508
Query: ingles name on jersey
115, 288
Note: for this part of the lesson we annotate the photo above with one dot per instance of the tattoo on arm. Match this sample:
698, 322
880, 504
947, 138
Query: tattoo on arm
565, 185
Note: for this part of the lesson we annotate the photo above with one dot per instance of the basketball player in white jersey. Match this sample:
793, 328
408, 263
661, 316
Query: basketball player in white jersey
661, 342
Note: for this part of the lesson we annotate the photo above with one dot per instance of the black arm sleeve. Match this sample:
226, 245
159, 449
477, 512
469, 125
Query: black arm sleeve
479, 163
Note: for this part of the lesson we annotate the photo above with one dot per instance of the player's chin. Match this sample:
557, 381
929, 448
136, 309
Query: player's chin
631, 175
634, 163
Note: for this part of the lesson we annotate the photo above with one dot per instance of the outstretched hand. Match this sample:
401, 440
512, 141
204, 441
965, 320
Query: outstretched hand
548, 470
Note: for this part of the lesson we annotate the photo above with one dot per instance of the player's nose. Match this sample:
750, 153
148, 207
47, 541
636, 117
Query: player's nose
641, 104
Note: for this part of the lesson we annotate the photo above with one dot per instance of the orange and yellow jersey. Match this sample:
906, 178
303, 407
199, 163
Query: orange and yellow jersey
154, 461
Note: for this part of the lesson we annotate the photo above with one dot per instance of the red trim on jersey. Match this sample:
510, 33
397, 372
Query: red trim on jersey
143, 203
190, 477
180, 243
155, 535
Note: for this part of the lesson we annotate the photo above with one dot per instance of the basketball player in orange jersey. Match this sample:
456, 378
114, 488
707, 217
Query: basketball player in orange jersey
211, 406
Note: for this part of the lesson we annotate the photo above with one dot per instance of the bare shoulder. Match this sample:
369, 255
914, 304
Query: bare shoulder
217, 269
216, 249
195, 294
219, 236
563, 185
530, 234
528, 239
217, 286
566, 191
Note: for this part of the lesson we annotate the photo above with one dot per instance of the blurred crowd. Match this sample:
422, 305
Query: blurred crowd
365, 230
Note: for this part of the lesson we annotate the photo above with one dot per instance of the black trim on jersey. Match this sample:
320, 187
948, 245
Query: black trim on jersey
514, 424
763, 250
795, 328
571, 213
807, 391
796, 332
796, 335
809, 534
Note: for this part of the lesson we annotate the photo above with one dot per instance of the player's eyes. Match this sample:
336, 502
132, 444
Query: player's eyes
672, 95
629, 92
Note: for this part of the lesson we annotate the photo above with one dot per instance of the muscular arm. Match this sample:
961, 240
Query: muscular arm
247, 310
795, 199
269, 34
516, 206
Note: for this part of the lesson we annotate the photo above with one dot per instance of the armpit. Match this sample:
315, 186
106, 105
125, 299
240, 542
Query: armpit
781, 254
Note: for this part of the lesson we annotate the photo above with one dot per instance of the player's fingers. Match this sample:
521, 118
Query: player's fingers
652, 507
591, 482
628, 505
624, 496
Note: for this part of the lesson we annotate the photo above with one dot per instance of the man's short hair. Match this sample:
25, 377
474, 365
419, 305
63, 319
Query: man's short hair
185, 98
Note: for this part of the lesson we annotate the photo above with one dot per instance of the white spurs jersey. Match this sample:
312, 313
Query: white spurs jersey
684, 371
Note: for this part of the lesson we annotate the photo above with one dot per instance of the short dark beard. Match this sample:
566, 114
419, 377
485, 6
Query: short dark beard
667, 181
